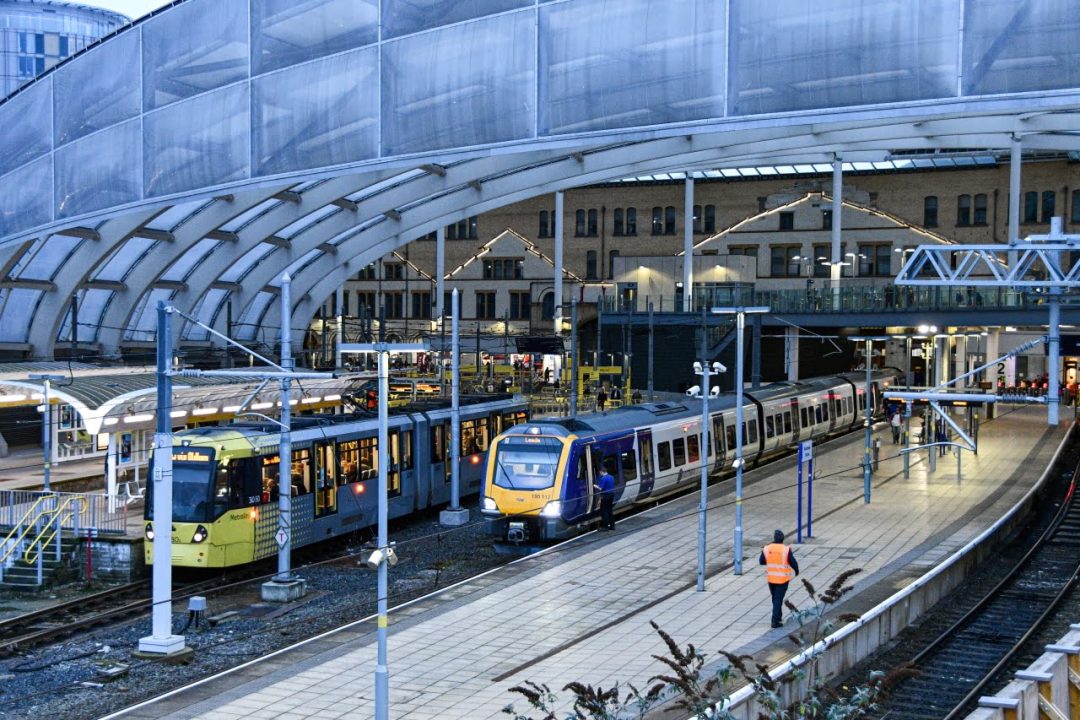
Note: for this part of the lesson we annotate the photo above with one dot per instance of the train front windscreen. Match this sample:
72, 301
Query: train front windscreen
192, 487
526, 463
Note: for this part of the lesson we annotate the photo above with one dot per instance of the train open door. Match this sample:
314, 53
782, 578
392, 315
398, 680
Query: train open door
645, 464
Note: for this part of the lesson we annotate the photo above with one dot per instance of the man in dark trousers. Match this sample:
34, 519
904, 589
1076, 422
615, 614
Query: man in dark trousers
780, 567
605, 485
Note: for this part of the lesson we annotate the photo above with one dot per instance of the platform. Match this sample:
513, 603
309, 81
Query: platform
582, 613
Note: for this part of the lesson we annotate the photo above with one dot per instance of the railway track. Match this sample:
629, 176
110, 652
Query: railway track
956, 666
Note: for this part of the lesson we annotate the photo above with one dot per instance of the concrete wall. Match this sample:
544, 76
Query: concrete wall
112, 559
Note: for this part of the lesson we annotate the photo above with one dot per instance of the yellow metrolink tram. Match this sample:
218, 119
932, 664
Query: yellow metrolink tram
226, 478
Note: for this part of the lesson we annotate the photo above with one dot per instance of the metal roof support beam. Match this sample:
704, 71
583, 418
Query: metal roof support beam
169, 285
104, 285
346, 204
289, 196
28, 284
223, 235
152, 234
87, 233
434, 169
277, 241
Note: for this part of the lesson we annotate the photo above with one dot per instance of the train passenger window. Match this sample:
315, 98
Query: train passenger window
301, 471
787, 421
678, 448
511, 419
802, 414
438, 442
718, 435
692, 448
769, 430
731, 437
817, 413
628, 466
663, 455
752, 432
406, 461
825, 411
645, 448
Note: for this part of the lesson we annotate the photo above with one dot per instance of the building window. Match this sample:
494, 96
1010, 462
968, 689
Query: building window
611, 263
393, 271
631, 221
1075, 209
710, 218
591, 230
519, 305
467, 229
485, 306
874, 260
963, 210
669, 220
365, 304
929, 211
579, 223
821, 260
979, 217
394, 305
547, 306
504, 269
543, 229
1031, 207
448, 304
787, 221
761, 203
617, 222
1049, 205
658, 221
590, 265
367, 273
826, 219
421, 305
697, 219
784, 261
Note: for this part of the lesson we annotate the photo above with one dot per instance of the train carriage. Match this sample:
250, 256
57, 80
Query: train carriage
226, 478
541, 476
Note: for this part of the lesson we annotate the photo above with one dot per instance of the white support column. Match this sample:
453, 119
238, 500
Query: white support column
791, 353
993, 342
836, 252
1015, 152
688, 244
440, 272
559, 263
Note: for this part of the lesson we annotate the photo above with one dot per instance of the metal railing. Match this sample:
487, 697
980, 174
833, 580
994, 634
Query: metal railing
93, 512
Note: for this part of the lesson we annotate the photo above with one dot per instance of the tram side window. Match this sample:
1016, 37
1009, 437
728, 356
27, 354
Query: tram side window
358, 459
300, 471
438, 442
474, 436
787, 421
403, 460
326, 467
692, 448
511, 419
397, 463
229, 487
678, 447
645, 446
769, 430
663, 455
269, 477
628, 466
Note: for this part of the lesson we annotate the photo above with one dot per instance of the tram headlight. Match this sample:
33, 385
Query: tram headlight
489, 505
149, 531
200, 535
552, 510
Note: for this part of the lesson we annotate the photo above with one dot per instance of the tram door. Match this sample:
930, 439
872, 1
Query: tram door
325, 480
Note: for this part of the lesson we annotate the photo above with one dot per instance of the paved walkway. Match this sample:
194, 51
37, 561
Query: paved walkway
582, 613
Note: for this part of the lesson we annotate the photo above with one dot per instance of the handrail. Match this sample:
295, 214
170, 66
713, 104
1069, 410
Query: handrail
11, 541
44, 537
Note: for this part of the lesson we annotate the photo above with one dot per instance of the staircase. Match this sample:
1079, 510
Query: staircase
35, 546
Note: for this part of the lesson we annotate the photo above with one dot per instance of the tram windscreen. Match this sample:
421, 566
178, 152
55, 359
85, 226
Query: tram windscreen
527, 463
193, 479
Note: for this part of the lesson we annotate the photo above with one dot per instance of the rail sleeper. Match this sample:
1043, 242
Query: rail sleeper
1048, 688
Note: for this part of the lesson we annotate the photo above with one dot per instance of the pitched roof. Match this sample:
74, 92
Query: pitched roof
527, 244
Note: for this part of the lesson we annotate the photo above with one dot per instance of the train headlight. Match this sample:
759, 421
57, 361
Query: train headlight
149, 530
552, 510
489, 505
200, 535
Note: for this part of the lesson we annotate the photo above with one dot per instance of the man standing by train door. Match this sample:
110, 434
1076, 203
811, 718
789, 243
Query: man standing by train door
605, 485
780, 567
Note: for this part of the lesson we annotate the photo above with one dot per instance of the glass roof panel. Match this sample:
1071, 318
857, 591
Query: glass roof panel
250, 328
247, 216
187, 262
298, 265
92, 306
43, 260
143, 326
376, 188
124, 258
177, 215
243, 266
295, 228
17, 306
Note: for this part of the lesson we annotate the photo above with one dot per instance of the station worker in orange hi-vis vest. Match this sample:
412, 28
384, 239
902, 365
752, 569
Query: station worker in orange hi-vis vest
780, 567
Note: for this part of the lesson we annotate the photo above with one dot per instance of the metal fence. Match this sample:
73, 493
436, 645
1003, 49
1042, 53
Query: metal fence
89, 511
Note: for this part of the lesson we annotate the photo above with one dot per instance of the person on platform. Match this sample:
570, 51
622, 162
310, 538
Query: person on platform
896, 422
605, 485
780, 567
601, 399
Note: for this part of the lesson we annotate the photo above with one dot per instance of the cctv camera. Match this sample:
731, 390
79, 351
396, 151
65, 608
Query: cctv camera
695, 391
714, 392
375, 558
719, 367
697, 368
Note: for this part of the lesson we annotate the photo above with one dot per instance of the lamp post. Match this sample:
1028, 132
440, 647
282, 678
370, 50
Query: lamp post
868, 420
740, 326
46, 423
705, 371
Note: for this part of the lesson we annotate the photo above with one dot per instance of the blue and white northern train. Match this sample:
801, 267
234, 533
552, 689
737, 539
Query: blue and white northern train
540, 476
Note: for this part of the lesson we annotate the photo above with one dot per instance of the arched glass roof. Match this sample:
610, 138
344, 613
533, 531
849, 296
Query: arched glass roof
197, 154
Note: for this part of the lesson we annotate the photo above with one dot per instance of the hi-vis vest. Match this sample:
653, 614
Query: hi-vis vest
777, 569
